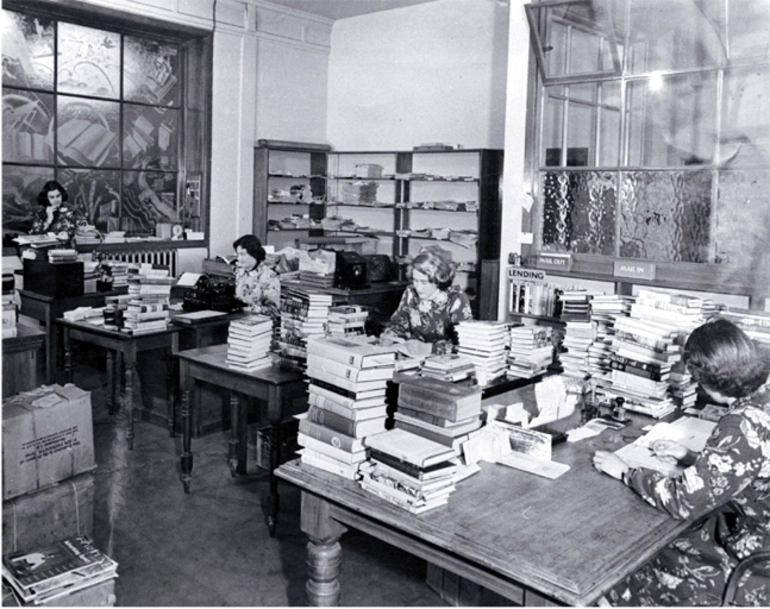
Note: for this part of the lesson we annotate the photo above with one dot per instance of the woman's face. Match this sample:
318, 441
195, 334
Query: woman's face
425, 287
244, 260
54, 198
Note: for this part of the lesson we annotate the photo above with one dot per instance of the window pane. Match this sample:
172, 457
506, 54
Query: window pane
666, 215
673, 124
609, 124
149, 139
96, 193
27, 118
27, 51
89, 61
747, 30
552, 126
677, 35
21, 185
151, 72
148, 197
579, 212
87, 132
745, 139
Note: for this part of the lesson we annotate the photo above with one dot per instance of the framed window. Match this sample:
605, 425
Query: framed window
666, 160
116, 110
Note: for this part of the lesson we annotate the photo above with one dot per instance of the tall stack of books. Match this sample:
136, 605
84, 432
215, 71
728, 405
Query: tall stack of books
605, 309
530, 351
756, 324
409, 471
449, 367
346, 396
115, 273
114, 309
149, 291
346, 320
49, 575
438, 410
248, 342
484, 343
578, 333
304, 315
317, 268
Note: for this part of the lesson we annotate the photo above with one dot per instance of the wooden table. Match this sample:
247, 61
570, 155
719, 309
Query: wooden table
122, 351
531, 539
276, 390
21, 364
47, 309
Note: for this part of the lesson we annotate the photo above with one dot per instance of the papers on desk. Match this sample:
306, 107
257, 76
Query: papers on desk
553, 402
692, 432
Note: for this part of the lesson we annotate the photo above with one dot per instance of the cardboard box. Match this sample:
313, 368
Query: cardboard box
37, 519
48, 436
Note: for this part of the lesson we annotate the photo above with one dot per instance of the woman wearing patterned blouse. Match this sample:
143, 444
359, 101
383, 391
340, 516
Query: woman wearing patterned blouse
55, 217
724, 490
431, 306
256, 284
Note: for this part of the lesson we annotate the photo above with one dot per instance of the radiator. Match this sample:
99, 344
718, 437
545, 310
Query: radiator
167, 258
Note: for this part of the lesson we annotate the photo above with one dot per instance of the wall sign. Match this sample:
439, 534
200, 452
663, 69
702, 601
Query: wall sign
556, 262
633, 269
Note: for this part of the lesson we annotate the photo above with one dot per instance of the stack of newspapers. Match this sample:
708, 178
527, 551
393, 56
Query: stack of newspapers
47, 575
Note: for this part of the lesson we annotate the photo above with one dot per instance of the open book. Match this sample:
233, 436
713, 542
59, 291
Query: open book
692, 432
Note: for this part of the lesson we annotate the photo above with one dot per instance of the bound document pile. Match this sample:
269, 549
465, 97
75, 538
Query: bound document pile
408, 470
48, 574
248, 342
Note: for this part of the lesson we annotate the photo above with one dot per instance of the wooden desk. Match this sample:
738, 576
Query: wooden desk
47, 310
531, 539
275, 389
122, 351
21, 364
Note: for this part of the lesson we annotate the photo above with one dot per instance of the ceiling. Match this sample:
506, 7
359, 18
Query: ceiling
342, 9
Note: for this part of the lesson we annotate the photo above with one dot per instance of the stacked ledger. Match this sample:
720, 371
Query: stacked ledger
409, 471
440, 411
346, 397
248, 342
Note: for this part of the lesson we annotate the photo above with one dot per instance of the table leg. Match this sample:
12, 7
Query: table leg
274, 397
235, 416
186, 461
68, 372
50, 347
128, 403
109, 398
324, 552
170, 390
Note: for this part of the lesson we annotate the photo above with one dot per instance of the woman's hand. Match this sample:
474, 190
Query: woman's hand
610, 464
63, 235
417, 347
669, 451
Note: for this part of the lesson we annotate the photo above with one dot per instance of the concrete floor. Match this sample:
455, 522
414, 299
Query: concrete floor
211, 547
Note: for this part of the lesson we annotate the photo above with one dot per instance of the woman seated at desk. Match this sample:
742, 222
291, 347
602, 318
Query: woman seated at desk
55, 217
256, 284
430, 307
724, 490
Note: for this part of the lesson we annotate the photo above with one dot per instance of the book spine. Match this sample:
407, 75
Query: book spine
316, 388
330, 436
428, 402
331, 420
347, 384
627, 364
396, 463
331, 405
349, 373
424, 416
659, 346
427, 433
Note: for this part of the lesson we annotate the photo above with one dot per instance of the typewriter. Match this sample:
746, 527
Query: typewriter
212, 294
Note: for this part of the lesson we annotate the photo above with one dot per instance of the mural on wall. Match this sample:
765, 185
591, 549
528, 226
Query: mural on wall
118, 160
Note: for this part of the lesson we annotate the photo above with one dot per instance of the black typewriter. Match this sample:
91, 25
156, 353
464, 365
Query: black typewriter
212, 294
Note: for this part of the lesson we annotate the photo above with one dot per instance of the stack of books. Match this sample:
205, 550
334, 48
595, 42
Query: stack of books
530, 351
346, 396
450, 367
484, 343
346, 320
115, 273
248, 342
408, 470
316, 269
48, 575
578, 337
359, 193
149, 291
114, 310
440, 411
605, 309
304, 315
576, 305
58, 256
756, 324
680, 311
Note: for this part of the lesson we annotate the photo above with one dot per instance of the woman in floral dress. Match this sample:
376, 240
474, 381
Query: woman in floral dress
55, 217
724, 490
256, 284
431, 306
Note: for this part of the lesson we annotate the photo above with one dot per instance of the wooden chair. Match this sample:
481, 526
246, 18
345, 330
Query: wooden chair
731, 589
